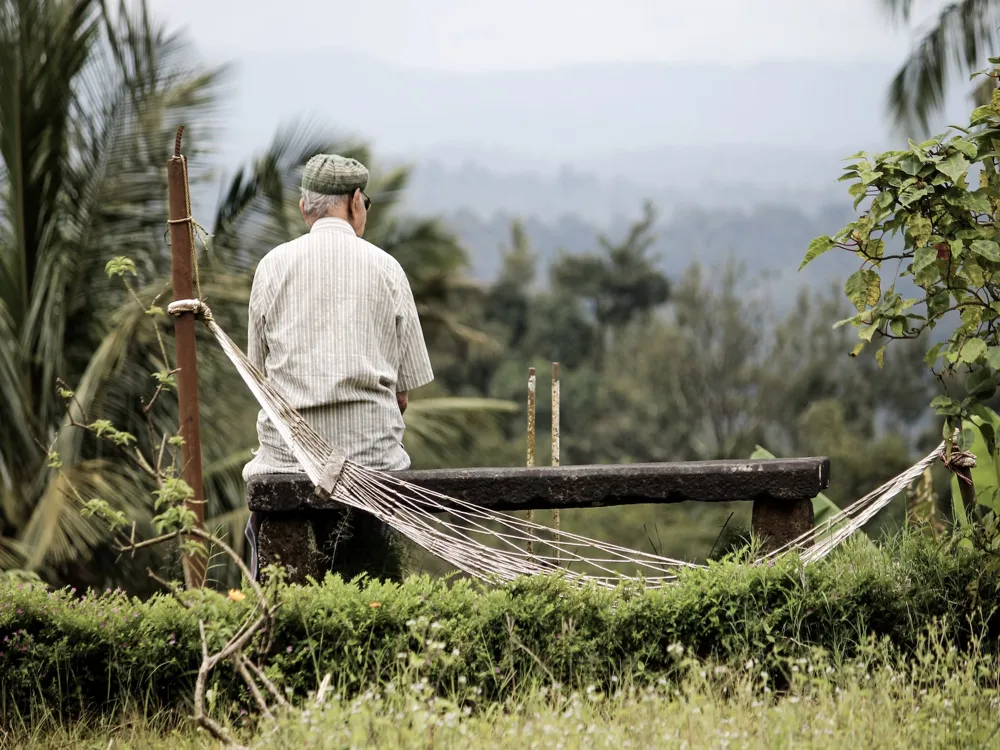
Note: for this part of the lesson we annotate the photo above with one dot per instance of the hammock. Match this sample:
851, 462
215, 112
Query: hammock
500, 547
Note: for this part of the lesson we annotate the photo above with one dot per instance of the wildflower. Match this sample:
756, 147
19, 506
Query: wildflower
236, 595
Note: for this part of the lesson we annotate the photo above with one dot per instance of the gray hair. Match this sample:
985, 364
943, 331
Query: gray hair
316, 205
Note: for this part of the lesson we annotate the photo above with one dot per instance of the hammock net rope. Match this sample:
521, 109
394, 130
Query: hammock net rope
499, 547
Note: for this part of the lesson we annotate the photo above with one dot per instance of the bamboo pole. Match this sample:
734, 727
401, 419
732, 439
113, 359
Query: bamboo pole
531, 437
555, 435
182, 268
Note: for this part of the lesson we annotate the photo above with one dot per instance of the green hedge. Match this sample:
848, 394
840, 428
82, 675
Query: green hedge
108, 651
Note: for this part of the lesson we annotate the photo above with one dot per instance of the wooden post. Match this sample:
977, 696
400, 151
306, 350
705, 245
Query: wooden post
531, 437
181, 252
555, 435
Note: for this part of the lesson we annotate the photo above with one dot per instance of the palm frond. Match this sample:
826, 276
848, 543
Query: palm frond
898, 10
962, 36
258, 206
437, 426
57, 533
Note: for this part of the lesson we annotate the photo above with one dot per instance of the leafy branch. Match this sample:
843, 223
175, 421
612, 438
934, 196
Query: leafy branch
175, 522
922, 220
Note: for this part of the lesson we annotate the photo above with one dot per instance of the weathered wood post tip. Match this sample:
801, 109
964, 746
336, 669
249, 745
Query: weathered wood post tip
556, 520
530, 516
181, 252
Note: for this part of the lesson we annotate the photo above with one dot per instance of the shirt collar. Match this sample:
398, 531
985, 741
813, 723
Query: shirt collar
332, 223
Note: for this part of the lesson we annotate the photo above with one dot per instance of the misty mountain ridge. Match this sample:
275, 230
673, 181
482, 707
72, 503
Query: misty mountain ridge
740, 161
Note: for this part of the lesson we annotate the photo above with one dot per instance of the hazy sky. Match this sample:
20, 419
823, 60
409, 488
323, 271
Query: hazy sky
477, 35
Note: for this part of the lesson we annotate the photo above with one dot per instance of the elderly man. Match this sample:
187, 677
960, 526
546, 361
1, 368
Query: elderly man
333, 326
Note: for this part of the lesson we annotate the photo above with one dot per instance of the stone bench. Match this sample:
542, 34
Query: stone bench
305, 532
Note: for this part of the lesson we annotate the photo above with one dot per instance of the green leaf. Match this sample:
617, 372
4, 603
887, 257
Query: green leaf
982, 113
966, 437
863, 288
856, 290
967, 148
911, 164
993, 357
847, 321
933, 353
880, 357
874, 287
986, 249
923, 258
912, 194
972, 350
885, 199
875, 248
865, 333
920, 229
981, 384
977, 202
817, 247
955, 166
945, 406
120, 266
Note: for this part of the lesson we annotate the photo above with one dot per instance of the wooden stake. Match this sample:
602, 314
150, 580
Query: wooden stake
531, 436
181, 252
556, 521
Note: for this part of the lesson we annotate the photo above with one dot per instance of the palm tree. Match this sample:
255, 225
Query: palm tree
959, 39
90, 101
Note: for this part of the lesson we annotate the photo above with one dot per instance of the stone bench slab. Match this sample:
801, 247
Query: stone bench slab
782, 481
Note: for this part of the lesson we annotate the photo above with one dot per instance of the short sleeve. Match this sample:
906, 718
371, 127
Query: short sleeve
414, 362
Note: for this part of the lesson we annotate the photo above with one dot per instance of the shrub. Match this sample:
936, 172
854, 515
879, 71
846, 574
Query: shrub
107, 652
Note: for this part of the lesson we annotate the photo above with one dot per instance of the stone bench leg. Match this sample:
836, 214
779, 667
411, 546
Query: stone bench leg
778, 522
289, 539
312, 543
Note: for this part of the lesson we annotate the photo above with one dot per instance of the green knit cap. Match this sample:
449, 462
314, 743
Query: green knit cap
332, 174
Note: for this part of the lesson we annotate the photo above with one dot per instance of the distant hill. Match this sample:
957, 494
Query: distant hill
657, 124
768, 239
739, 161
437, 189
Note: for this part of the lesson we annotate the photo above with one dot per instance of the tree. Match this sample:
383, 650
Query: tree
961, 37
91, 99
508, 300
947, 246
620, 284
87, 110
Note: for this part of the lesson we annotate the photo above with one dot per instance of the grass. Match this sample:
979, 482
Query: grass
935, 698
879, 646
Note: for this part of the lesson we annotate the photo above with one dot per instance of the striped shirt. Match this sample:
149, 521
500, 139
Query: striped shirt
334, 328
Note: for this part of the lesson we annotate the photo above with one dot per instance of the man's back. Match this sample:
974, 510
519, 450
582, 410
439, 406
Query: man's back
334, 328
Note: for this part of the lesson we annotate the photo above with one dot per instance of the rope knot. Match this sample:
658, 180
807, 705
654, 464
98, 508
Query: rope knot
959, 463
196, 306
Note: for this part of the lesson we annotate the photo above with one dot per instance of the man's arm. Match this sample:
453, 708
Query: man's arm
403, 400
414, 362
256, 343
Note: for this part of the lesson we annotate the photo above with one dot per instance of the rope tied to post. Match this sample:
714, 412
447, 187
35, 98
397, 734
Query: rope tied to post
181, 306
959, 463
